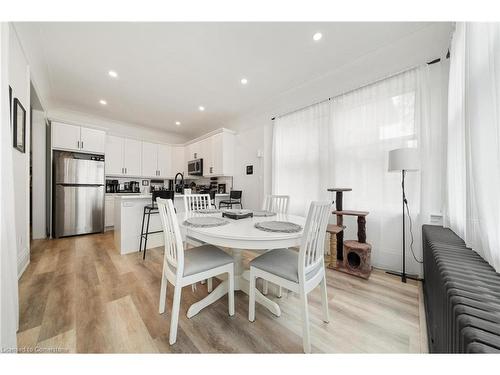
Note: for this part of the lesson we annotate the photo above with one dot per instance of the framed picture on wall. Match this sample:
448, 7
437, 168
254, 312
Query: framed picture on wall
19, 126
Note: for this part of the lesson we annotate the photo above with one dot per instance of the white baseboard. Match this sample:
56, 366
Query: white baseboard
22, 263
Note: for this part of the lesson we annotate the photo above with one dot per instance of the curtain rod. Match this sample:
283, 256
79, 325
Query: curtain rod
362, 86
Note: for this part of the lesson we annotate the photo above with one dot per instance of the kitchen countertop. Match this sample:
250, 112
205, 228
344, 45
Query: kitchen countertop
148, 196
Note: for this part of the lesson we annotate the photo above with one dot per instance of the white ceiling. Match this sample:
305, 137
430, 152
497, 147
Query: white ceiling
166, 70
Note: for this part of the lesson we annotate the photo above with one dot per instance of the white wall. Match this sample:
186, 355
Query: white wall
19, 80
9, 305
136, 131
38, 226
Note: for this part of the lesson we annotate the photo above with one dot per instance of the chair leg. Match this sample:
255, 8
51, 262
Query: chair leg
209, 285
324, 301
265, 287
142, 228
163, 293
174, 321
146, 239
251, 296
306, 339
230, 293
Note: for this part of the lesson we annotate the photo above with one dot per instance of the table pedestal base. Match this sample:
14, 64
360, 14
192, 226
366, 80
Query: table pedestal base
241, 282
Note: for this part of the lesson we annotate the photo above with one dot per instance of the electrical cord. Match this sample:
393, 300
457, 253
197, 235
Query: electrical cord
411, 234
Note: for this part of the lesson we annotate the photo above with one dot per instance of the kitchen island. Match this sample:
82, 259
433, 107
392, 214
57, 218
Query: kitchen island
128, 211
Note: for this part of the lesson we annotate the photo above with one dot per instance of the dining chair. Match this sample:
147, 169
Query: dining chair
300, 271
195, 202
278, 204
234, 199
182, 268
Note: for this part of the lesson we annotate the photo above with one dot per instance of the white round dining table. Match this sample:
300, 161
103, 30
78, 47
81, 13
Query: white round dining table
239, 235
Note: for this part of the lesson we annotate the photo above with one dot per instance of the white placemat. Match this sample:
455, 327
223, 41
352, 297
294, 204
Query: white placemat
209, 211
263, 213
236, 211
205, 222
278, 226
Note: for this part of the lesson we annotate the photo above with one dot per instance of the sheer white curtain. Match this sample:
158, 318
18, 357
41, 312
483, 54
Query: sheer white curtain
301, 156
473, 165
345, 142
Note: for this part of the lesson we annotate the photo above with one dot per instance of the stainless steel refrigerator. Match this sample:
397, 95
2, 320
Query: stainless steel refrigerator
78, 193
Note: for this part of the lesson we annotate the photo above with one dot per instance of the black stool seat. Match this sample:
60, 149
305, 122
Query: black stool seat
151, 209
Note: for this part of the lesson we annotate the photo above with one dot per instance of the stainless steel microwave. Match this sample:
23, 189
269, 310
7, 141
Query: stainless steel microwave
195, 167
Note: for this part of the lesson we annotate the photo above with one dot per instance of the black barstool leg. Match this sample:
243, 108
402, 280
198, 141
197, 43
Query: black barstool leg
146, 239
142, 228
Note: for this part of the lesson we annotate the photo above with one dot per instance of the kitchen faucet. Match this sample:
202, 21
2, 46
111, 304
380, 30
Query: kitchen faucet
182, 182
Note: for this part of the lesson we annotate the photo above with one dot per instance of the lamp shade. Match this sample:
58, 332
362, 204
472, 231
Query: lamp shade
404, 159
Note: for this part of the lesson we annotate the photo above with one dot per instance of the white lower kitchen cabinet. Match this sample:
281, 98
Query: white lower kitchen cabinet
109, 211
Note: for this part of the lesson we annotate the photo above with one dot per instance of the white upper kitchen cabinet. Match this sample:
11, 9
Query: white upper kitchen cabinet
123, 156
165, 161
132, 157
92, 140
156, 160
149, 159
179, 163
222, 155
77, 138
114, 155
65, 136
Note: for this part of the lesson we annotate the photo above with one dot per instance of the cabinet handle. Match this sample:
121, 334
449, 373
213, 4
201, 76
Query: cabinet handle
82, 144
211, 169
125, 170
77, 144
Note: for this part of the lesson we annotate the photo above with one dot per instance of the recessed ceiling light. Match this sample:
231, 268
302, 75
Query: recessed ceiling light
177, 123
201, 108
113, 74
244, 81
317, 36
103, 102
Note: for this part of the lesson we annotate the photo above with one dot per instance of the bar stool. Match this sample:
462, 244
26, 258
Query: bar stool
212, 198
149, 210
234, 198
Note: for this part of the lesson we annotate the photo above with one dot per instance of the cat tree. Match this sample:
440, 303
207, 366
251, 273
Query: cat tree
350, 256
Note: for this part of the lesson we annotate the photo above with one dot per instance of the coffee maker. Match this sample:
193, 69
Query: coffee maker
134, 187
112, 186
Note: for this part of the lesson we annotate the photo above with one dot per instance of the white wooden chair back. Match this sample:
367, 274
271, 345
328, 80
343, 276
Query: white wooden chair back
194, 202
312, 248
174, 248
276, 203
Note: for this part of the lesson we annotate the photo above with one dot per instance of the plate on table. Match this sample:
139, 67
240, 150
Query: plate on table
278, 226
205, 222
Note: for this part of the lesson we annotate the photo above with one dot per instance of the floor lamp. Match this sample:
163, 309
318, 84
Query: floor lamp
404, 160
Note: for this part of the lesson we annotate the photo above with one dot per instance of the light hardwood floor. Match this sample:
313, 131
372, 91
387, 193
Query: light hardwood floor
80, 295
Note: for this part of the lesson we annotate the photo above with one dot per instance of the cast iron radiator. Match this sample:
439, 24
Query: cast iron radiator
461, 294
